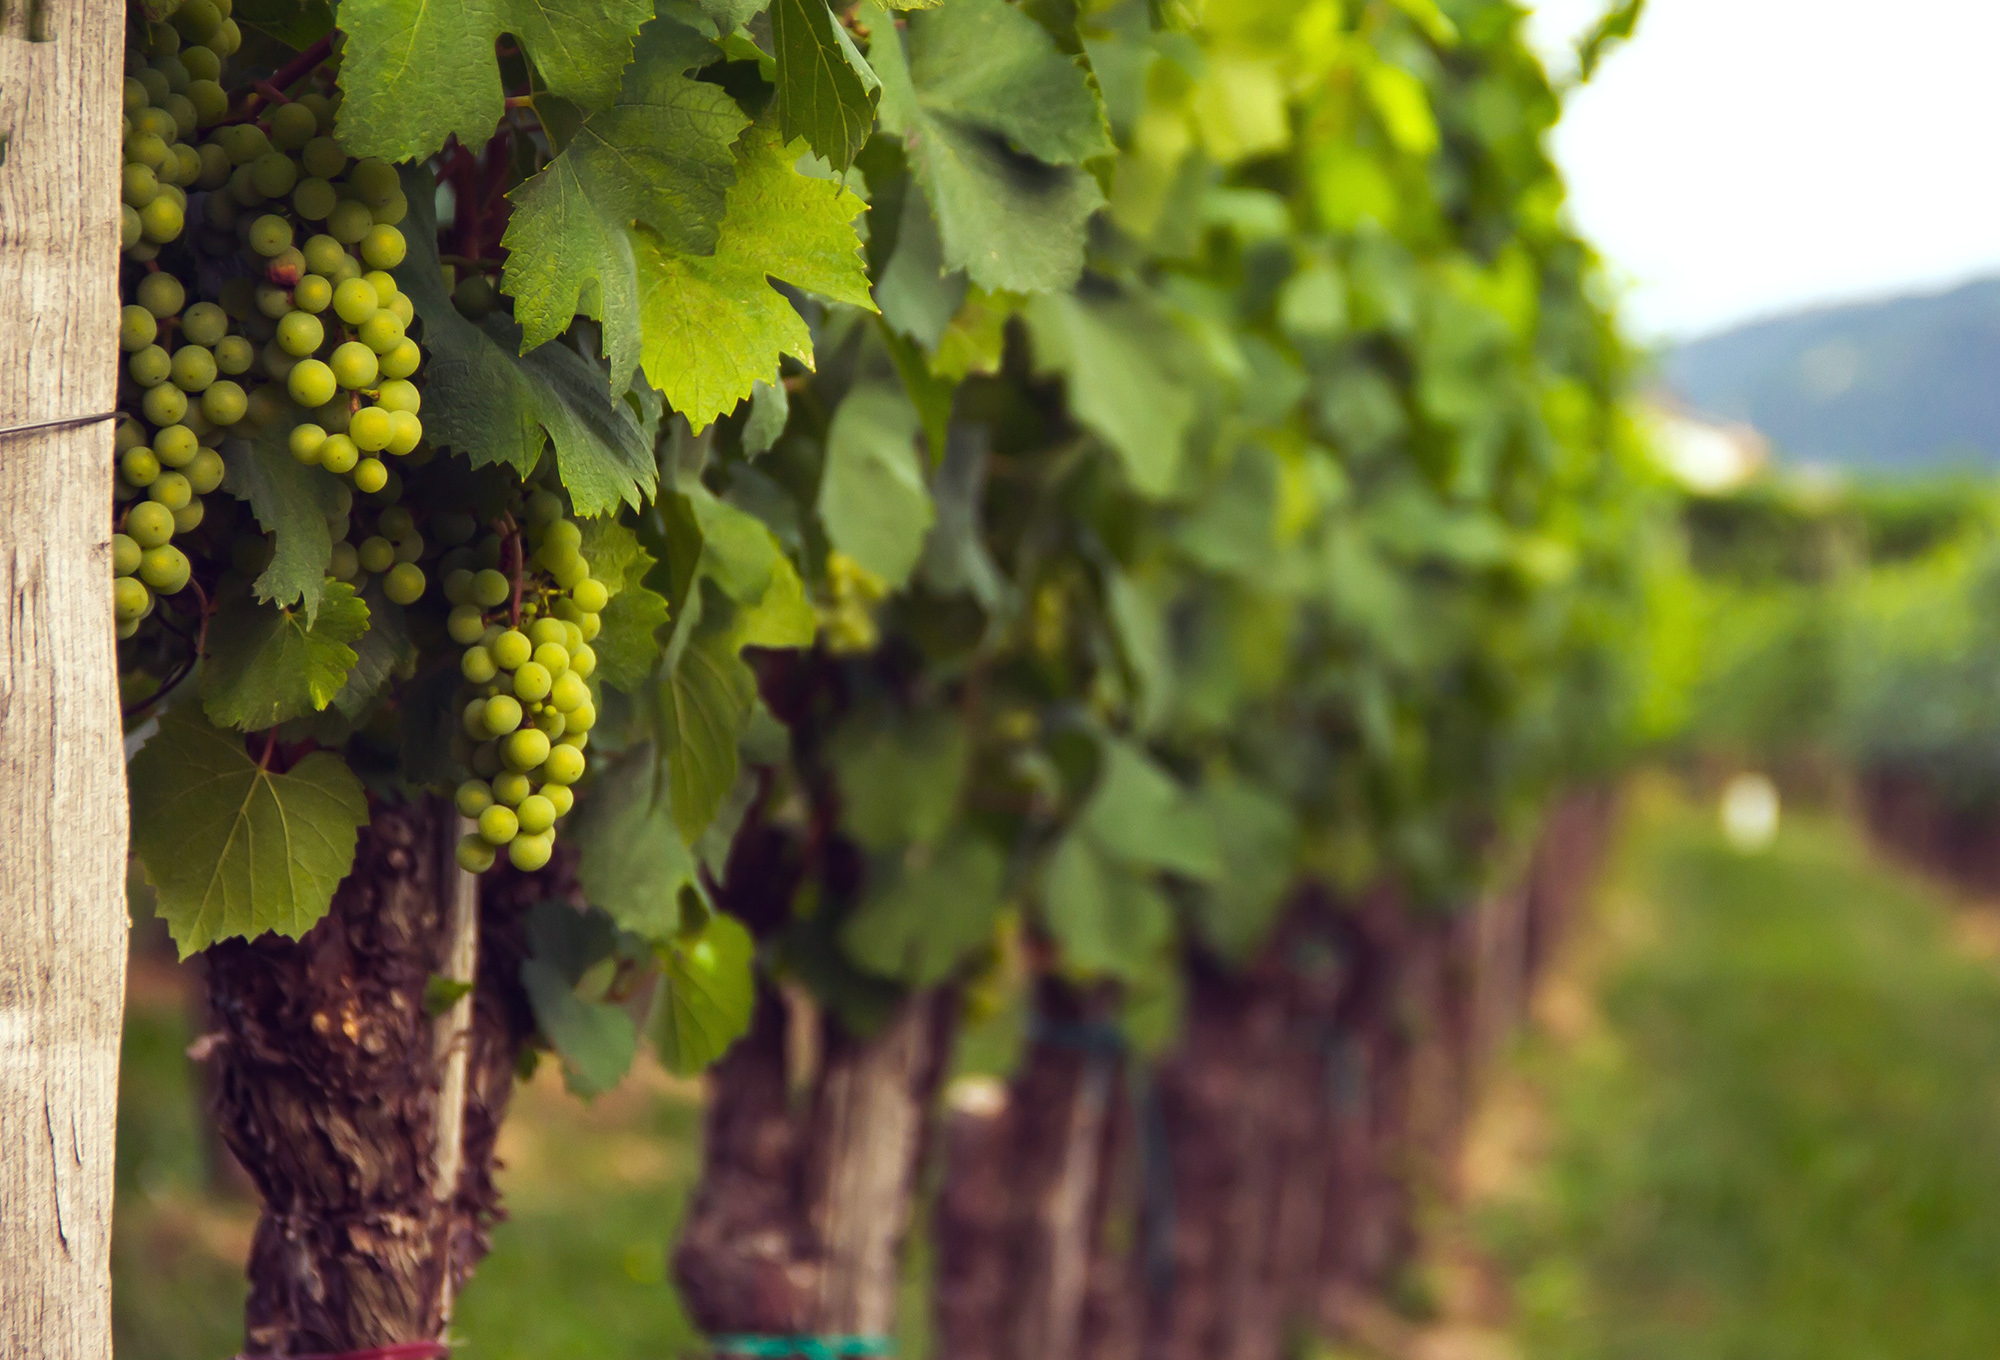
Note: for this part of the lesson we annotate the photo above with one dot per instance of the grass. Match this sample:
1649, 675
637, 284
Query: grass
1771, 1122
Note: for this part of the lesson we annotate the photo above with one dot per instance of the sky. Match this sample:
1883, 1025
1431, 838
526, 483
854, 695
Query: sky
1741, 158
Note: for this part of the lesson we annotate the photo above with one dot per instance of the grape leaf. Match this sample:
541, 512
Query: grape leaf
872, 497
295, 23
826, 89
700, 710
266, 665
496, 405
899, 780
997, 120
660, 155
770, 409
293, 503
234, 849
379, 653
1139, 814
1110, 352
1107, 918
595, 1039
710, 990
713, 324
628, 643
925, 920
414, 73
781, 617
1258, 840
633, 863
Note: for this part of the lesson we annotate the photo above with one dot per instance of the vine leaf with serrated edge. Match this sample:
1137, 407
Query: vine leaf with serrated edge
293, 503
627, 644
714, 325
872, 496
661, 156
234, 849
496, 405
709, 991
699, 711
267, 665
632, 862
826, 89
413, 74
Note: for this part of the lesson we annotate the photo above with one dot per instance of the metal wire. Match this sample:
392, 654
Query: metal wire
6, 430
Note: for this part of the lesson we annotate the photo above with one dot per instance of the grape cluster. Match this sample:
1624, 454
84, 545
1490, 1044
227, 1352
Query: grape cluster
847, 618
525, 608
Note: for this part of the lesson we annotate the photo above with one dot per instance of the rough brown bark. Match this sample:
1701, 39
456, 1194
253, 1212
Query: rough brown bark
803, 1207
329, 1095
62, 784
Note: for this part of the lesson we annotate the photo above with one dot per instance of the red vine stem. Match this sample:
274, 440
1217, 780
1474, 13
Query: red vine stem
270, 92
514, 554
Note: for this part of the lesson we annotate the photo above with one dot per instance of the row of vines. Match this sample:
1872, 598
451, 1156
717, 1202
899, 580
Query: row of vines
1049, 549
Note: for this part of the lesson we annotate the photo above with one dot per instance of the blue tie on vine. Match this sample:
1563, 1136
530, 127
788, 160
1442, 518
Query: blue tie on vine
808, 1347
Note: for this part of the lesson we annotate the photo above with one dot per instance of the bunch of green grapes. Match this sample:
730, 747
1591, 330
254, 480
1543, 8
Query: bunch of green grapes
525, 614
173, 85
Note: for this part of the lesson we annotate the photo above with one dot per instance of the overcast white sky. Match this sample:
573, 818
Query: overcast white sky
1742, 157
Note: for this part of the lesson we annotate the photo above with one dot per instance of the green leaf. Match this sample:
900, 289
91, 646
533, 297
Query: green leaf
872, 497
266, 665
1258, 840
596, 1040
293, 503
632, 862
782, 617
997, 120
710, 991
918, 295
1107, 919
713, 324
1138, 813
496, 405
900, 777
770, 409
701, 709
414, 73
385, 649
295, 23
235, 850
1110, 354
628, 643
928, 918
659, 156
826, 89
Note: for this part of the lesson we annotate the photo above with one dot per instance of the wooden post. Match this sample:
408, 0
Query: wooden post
62, 775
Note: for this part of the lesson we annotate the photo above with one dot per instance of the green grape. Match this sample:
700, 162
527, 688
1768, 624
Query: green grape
383, 247
139, 185
204, 323
274, 174
129, 434
490, 589
292, 126
381, 332
344, 563
305, 442
130, 600
182, 166
323, 158
234, 354
312, 294
529, 853
536, 813
223, 403
531, 682
137, 329
140, 466
338, 455
410, 549
165, 568
512, 649
475, 855
553, 656
300, 333
546, 630
146, 148
188, 518
311, 383
164, 404
131, 228
227, 38
354, 365
286, 268
403, 360
396, 523
474, 796
458, 590
370, 475
161, 294
404, 583
150, 524
564, 765
313, 199
158, 91
549, 723
559, 795
503, 711
582, 660
211, 104
205, 472
590, 596
157, 121
162, 220
242, 189
511, 788
355, 300
402, 309
169, 65
384, 284
573, 641
473, 719
569, 692
544, 508
498, 825
214, 174
270, 234
171, 489
175, 446
370, 429
477, 665
374, 181
274, 302
238, 298
349, 222
194, 368
125, 552
136, 97
399, 395
405, 433
323, 254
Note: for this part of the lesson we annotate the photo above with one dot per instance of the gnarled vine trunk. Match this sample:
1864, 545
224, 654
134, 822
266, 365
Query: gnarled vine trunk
337, 1091
799, 1223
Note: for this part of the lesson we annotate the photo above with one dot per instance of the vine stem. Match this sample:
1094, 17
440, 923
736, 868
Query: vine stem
451, 1036
514, 547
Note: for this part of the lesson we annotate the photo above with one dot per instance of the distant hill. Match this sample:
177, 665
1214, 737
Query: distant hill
1910, 382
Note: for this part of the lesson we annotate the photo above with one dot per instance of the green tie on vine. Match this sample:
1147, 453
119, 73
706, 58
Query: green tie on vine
810, 1347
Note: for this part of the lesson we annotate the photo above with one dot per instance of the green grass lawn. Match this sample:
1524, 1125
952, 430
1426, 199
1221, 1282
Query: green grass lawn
1774, 1133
